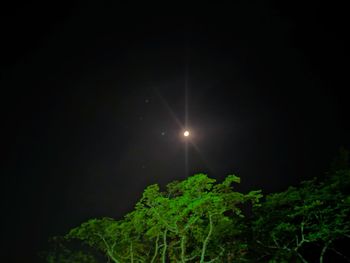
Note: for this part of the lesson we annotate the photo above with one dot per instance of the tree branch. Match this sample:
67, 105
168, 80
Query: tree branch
131, 253
301, 257
340, 254
165, 246
206, 241
216, 258
173, 229
183, 249
155, 250
109, 252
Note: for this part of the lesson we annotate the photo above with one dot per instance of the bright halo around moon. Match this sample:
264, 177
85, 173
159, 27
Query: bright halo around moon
186, 133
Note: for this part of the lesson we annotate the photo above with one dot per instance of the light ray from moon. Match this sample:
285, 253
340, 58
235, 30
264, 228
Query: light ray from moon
182, 126
167, 106
186, 133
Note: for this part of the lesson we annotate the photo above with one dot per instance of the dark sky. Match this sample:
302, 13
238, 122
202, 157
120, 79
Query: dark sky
85, 128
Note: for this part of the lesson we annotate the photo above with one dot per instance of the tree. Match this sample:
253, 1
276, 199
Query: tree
312, 216
195, 216
194, 220
101, 234
200, 220
61, 253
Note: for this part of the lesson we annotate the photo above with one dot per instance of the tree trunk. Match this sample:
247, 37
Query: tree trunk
155, 250
206, 241
165, 247
324, 249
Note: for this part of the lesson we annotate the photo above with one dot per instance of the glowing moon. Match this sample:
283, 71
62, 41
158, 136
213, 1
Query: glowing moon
186, 133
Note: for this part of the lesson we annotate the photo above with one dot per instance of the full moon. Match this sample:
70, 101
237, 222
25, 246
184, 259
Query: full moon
186, 133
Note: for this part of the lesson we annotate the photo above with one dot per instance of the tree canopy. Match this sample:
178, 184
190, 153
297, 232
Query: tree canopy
194, 220
312, 216
201, 220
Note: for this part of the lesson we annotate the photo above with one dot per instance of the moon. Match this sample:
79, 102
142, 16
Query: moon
186, 133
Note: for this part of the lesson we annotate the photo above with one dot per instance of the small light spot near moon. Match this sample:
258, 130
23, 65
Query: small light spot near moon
162, 133
146, 100
186, 133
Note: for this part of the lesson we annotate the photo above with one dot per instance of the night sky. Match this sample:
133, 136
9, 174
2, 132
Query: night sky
92, 96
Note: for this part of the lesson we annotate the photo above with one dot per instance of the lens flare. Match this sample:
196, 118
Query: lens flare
186, 133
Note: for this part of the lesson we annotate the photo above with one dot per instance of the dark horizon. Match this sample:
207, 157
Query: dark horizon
85, 130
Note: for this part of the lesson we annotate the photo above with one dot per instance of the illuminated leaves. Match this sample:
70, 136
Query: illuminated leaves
200, 220
193, 213
191, 221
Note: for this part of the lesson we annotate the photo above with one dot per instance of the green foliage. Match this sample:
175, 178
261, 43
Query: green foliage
61, 253
200, 220
315, 214
195, 220
194, 217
